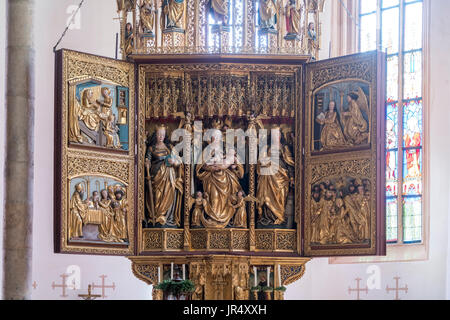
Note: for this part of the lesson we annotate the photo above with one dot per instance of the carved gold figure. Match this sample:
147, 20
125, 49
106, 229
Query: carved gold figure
273, 186
107, 102
87, 111
341, 228
125, 5
220, 180
311, 36
78, 210
340, 213
331, 135
239, 203
104, 229
111, 129
165, 179
172, 14
199, 203
120, 208
267, 14
113, 207
147, 15
129, 39
356, 128
220, 10
292, 12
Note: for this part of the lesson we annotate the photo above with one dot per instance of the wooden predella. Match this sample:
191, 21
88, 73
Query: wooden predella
123, 188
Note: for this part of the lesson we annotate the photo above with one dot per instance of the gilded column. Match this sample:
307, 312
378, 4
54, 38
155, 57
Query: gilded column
17, 241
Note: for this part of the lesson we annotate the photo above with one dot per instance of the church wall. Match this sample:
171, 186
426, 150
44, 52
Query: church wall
96, 35
425, 279
2, 122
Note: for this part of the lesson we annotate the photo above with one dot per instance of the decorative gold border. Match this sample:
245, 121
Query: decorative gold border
78, 66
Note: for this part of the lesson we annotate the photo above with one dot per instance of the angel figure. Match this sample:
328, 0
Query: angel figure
199, 201
239, 203
356, 127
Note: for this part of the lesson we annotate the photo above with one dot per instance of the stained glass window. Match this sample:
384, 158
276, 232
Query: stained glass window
395, 26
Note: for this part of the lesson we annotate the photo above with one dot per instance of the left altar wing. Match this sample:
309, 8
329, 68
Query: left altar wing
94, 155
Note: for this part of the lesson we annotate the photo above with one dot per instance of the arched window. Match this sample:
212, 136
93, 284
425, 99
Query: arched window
396, 26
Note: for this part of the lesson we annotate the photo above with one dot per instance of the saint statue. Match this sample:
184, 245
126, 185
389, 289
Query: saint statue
165, 181
292, 18
171, 14
357, 204
111, 132
331, 136
199, 203
220, 180
88, 111
120, 207
147, 15
129, 39
356, 128
78, 210
267, 14
104, 229
239, 203
273, 185
341, 229
311, 36
220, 10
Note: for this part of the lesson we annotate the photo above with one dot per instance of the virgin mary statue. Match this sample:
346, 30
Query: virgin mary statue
220, 181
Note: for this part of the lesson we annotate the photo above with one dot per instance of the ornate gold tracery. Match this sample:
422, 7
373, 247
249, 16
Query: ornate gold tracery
191, 33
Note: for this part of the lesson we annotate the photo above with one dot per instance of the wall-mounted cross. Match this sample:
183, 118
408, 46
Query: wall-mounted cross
358, 289
103, 286
397, 289
64, 285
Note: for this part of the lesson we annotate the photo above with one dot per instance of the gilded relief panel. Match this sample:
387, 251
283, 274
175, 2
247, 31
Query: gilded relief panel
343, 195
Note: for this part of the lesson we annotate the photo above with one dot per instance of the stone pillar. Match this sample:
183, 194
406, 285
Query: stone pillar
17, 241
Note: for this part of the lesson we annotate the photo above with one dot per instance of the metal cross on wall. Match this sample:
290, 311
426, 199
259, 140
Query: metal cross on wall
103, 286
397, 289
358, 289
